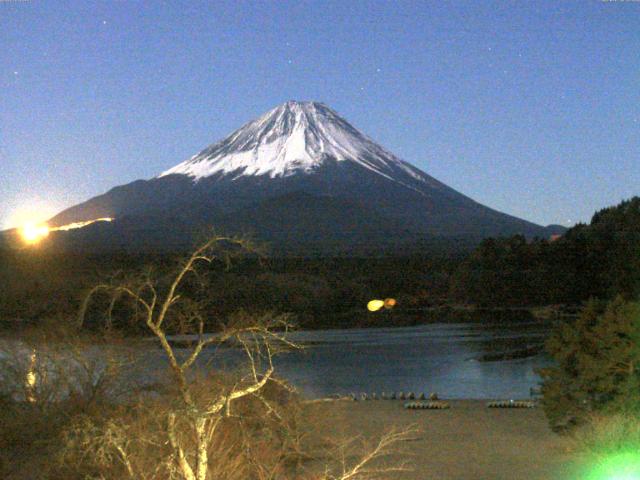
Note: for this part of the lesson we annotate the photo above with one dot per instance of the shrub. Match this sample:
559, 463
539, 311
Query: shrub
597, 364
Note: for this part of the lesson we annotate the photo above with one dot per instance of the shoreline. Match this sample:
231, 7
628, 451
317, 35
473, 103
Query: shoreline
468, 441
398, 318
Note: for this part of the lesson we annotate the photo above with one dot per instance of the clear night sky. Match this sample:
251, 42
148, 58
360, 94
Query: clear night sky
532, 108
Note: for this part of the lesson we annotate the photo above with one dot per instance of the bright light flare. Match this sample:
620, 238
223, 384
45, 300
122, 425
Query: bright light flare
375, 305
621, 466
33, 233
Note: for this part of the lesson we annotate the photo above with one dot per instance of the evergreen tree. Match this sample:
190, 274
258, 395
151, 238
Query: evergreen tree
598, 260
597, 363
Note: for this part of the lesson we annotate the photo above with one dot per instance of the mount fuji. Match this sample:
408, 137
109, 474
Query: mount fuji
298, 177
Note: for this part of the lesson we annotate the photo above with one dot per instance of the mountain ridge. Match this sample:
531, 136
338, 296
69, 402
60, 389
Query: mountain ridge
302, 147
291, 137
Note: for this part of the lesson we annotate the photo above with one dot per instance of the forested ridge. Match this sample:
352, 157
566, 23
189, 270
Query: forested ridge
596, 260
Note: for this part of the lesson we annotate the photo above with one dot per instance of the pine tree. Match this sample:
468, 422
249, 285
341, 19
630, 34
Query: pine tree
597, 363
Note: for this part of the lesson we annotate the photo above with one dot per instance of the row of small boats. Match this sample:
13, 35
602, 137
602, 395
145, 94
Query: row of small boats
422, 402
393, 396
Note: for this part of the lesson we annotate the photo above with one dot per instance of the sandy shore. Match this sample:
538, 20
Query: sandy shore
466, 442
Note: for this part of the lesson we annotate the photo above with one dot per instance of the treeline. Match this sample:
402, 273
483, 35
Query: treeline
37, 285
318, 292
334, 292
598, 260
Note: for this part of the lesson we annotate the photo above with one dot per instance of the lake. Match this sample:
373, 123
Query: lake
440, 358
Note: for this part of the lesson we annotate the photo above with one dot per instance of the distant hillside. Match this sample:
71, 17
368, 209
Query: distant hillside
601, 259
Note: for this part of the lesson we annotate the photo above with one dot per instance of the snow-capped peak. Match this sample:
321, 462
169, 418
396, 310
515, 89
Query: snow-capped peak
293, 137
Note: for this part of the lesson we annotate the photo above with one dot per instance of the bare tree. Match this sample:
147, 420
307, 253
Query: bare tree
51, 365
371, 459
192, 421
259, 339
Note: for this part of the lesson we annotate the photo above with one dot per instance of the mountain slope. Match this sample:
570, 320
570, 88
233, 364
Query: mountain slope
302, 160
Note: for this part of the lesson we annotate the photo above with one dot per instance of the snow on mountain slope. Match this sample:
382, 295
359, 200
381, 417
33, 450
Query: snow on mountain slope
298, 173
293, 137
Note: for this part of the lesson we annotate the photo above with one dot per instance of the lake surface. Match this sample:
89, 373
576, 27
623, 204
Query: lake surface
441, 358
438, 358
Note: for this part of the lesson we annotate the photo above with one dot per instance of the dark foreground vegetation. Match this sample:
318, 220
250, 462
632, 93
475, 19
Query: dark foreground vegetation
597, 367
68, 412
593, 389
77, 403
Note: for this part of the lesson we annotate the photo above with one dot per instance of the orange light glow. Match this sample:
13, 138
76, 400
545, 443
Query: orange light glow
76, 225
33, 233
375, 305
389, 303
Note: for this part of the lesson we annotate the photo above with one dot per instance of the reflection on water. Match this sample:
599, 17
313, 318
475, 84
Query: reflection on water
430, 358
438, 358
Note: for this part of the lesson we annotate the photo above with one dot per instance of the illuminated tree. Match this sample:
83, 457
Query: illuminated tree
194, 420
597, 363
260, 340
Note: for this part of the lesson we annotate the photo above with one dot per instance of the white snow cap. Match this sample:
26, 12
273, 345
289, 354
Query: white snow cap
293, 137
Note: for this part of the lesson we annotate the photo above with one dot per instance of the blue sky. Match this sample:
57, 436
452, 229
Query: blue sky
532, 108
